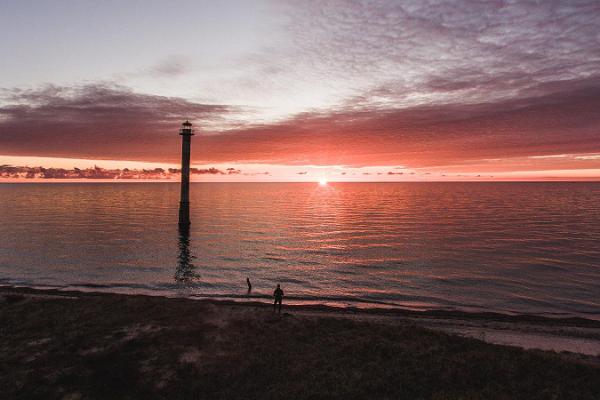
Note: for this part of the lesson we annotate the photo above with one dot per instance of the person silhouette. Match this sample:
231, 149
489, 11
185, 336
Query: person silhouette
249, 285
278, 294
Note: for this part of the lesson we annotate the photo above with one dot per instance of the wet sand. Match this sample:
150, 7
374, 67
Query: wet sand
89, 345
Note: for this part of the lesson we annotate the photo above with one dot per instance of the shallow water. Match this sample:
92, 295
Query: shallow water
504, 247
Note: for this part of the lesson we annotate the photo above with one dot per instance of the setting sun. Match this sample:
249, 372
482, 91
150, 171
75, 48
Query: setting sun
323, 182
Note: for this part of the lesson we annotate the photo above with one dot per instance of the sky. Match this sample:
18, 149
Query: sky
305, 90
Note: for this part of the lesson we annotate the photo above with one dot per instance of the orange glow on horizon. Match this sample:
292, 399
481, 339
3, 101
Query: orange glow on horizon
517, 169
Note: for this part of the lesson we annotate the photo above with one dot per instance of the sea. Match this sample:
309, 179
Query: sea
515, 248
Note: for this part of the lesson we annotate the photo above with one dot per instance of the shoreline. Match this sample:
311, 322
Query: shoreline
572, 334
336, 305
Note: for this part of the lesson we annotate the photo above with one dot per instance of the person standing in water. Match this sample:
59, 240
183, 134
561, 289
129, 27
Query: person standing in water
278, 294
249, 285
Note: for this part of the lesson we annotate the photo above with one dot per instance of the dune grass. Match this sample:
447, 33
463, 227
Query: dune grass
137, 347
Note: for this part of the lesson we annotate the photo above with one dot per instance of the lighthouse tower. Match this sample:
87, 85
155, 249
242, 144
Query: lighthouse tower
184, 204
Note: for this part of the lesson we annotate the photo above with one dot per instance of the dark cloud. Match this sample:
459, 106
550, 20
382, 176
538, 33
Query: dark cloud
256, 173
96, 121
233, 171
9, 171
207, 171
100, 122
562, 122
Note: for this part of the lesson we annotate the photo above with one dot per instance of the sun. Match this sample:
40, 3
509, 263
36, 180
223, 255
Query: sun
323, 182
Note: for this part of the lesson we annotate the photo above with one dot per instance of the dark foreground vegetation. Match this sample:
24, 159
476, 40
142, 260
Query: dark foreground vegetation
136, 347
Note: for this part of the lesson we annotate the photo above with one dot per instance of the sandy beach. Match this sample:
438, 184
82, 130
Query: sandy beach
74, 345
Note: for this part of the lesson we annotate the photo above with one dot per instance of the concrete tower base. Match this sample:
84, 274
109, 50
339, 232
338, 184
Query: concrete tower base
184, 213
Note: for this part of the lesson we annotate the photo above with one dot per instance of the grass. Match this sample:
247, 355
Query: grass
136, 347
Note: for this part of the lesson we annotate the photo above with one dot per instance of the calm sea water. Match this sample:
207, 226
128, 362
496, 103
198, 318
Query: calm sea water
504, 247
